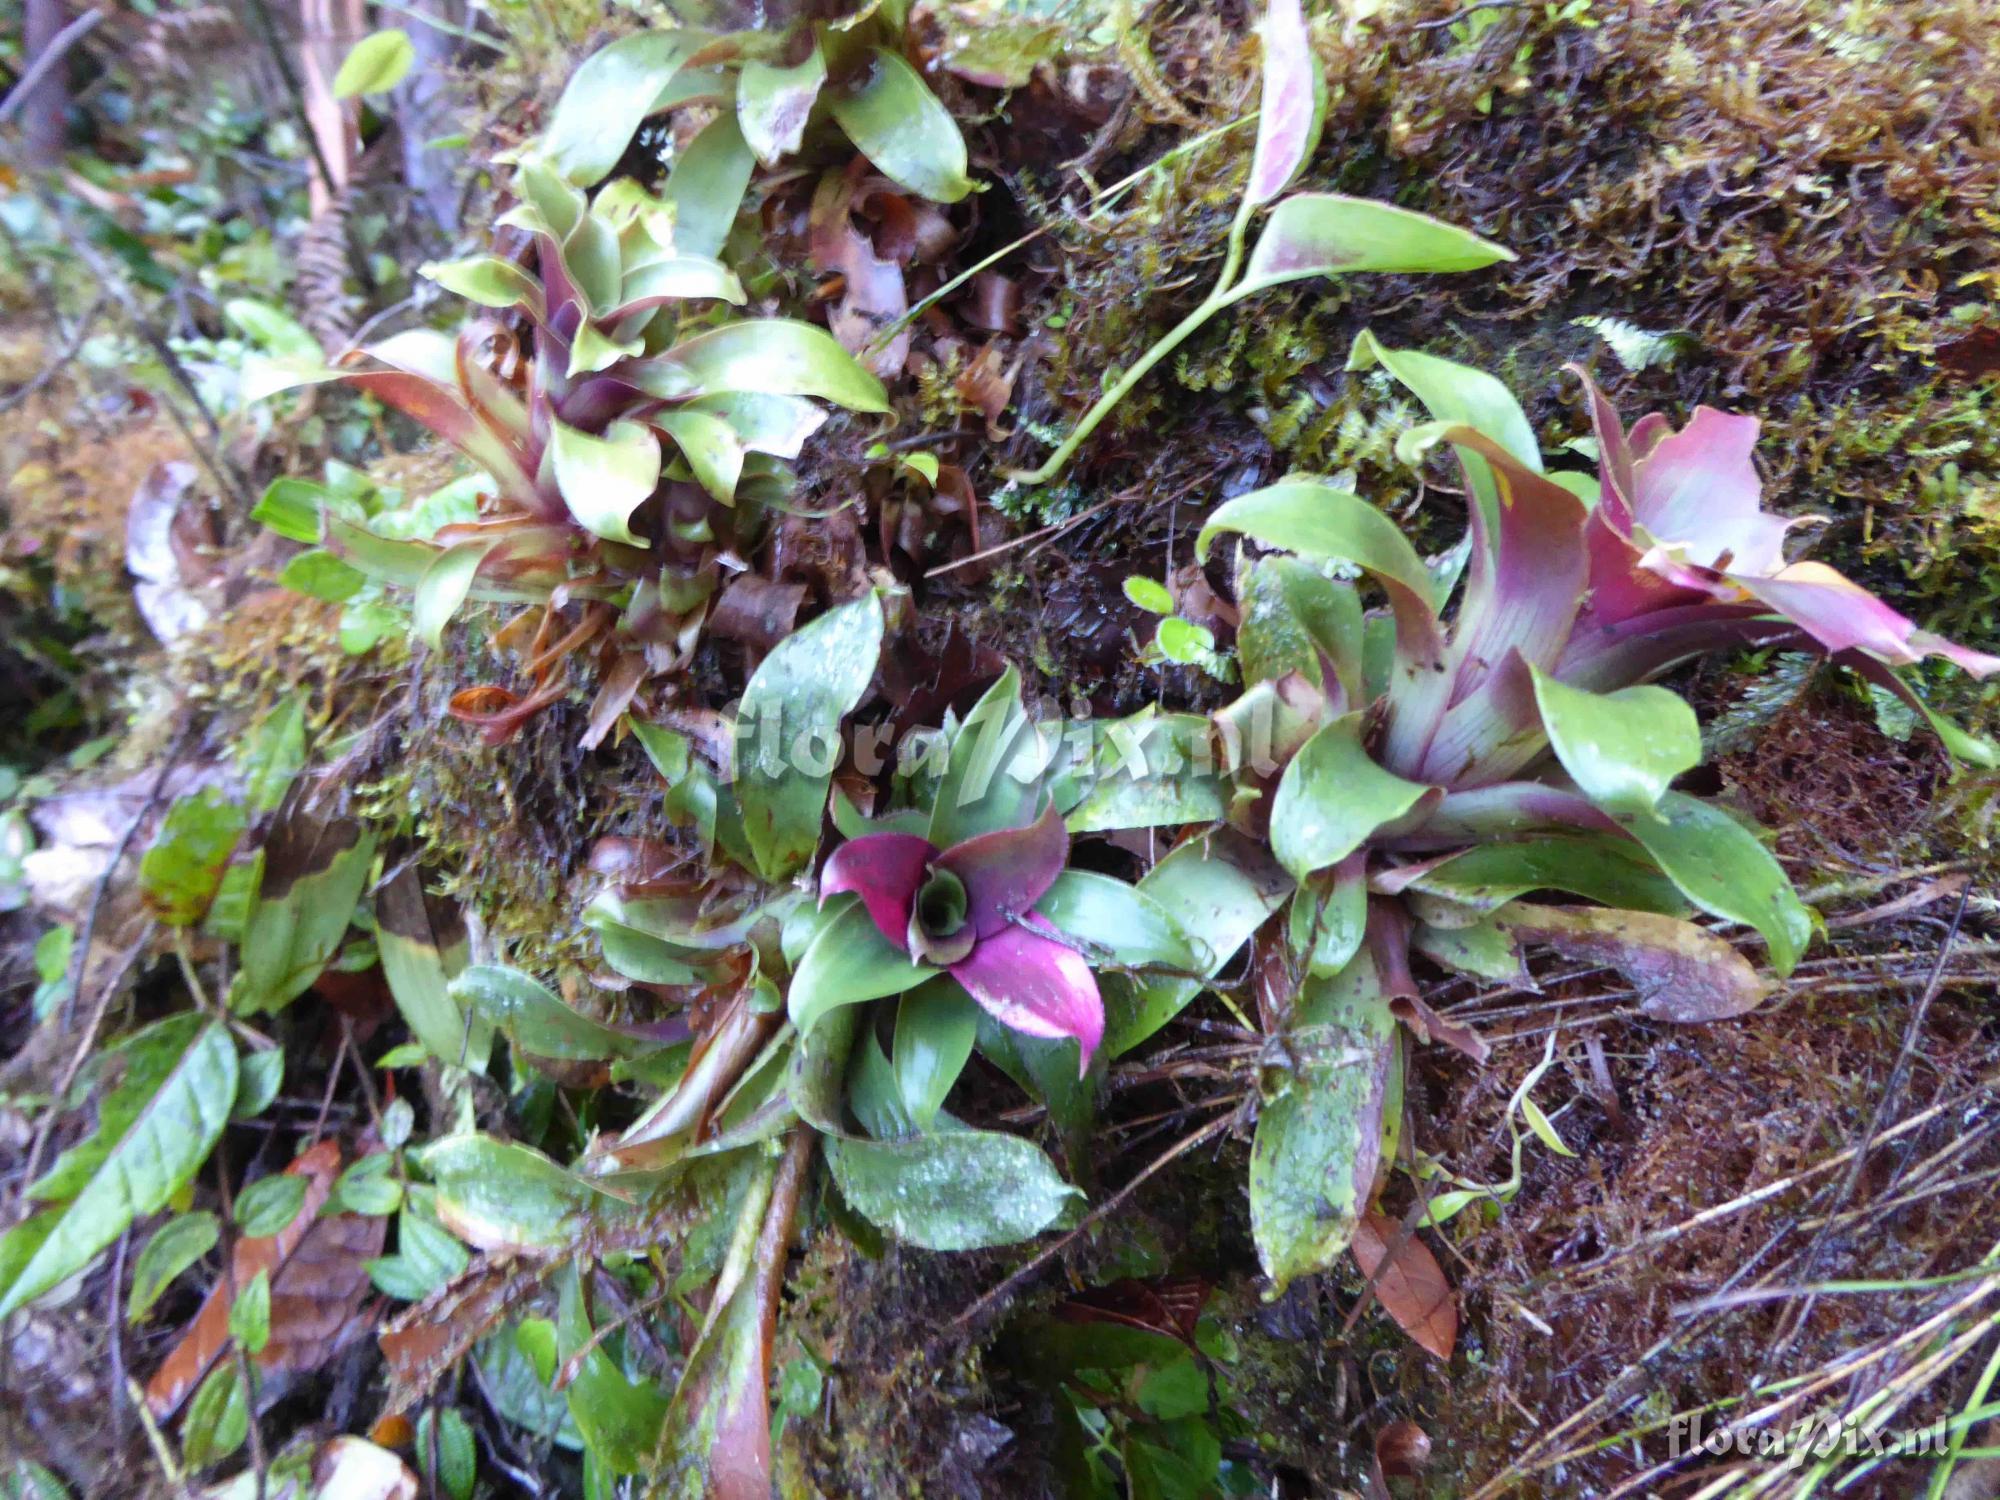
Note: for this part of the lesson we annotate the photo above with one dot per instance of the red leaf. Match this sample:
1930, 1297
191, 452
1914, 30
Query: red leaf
1409, 1284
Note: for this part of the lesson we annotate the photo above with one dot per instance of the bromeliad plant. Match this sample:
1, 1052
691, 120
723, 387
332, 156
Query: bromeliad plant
1417, 774
630, 452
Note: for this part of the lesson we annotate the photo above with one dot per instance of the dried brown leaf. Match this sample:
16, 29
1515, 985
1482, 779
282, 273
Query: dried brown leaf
318, 1283
1409, 1284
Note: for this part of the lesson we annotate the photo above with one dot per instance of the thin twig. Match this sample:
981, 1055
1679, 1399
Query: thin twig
57, 49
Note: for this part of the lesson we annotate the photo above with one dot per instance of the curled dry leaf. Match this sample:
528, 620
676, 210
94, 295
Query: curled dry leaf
425, 1341
987, 388
1402, 1451
318, 1282
756, 611
353, 1468
1408, 1283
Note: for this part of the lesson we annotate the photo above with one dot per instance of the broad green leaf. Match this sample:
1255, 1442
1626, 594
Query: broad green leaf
426, 1258
259, 1075
1326, 234
314, 870
454, 1469
270, 1203
1484, 950
954, 1190
179, 875
711, 449
378, 62
1293, 104
993, 776
1601, 867
1319, 1135
1329, 917
773, 103
895, 121
424, 946
935, 1027
488, 281
1722, 868
706, 186
154, 1129
1150, 595
502, 1196
604, 479
1455, 394
1120, 922
770, 356
619, 1416
1218, 890
1150, 770
291, 508
1321, 521
250, 1311
175, 1245
1332, 797
442, 589
788, 731
218, 1418
1294, 616
847, 962
368, 1187
1622, 749
606, 99
537, 1020
322, 574
777, 425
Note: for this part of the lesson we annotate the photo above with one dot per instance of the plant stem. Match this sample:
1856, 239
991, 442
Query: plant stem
1217, 299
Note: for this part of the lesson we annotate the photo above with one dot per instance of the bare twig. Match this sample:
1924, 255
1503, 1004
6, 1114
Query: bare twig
57, 49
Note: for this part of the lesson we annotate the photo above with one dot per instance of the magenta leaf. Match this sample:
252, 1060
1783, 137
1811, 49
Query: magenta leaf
1841, 615
885, 871
1037, 986
1005, 872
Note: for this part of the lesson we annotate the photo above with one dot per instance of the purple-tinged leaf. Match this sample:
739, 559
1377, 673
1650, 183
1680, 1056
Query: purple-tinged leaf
1005, 872
1682, 972
1294, 102
1604, 655
1508, 809
1328, 234
1037, 986
1970, 748
439, 408
1389, 947
884, 870
1841, 615
1699, 488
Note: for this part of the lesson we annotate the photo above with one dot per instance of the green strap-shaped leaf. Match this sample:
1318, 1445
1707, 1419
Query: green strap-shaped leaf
424, 946
1319, 1136
993, 775
848, 962
608, 96
500, 1195
1722, 868
1601, 867
936, 1024
1332, 797
488, 281
710, 446
953, 1190
538, 1021
895, 121
154, 1130
442, 590
1320, 520
1326, 234
707, 185
772, 356
314, 870
604, 479
1622, 749
788, 731
619, 1416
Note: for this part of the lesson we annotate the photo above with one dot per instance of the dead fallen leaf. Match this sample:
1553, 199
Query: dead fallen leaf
1409, 1284
318, 1283
427, 1340
1402, 1451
